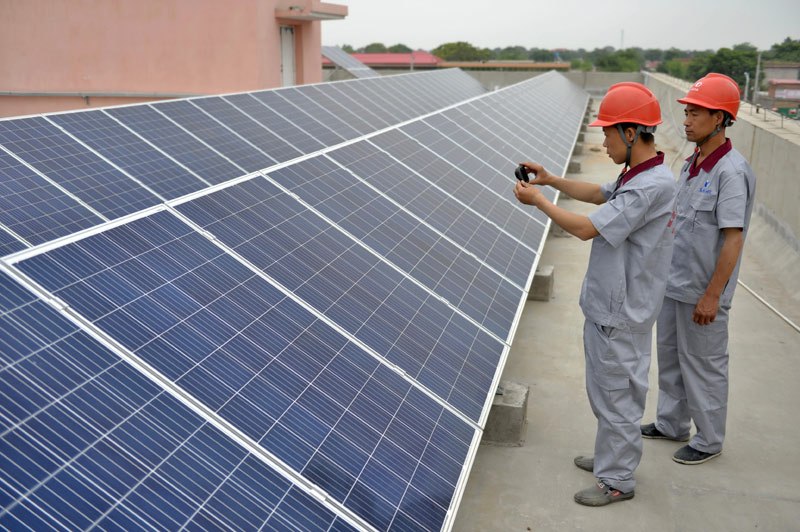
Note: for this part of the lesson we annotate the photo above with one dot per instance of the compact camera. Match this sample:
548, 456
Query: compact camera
522, 173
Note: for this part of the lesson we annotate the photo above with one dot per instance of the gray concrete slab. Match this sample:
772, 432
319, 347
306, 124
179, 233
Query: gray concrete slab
754, 485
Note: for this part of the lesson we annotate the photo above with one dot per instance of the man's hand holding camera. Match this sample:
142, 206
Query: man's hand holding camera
528, 192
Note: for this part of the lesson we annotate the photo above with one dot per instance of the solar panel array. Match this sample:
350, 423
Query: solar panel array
285, 309
346, 61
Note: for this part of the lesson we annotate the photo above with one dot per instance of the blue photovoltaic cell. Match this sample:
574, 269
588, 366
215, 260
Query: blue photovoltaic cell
130, 153
536, 144
488, 125
389, 98
426, 273
9, 244
550, 107
297, 116
74, 167
513, 218
470, 142
413, 101
317, 107
280, 126
215, 135
353, 287
405, 241
352, 116
87, 441
177, 143
501, 140
316, 401
459, 85
358, 95
248, 128
36, 209
441, 200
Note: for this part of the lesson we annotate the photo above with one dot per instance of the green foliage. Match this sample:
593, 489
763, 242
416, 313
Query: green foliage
686, 64
788, 50
374, 48
580, 64
653, 54
698, 67
347, 48
461, 51
541, 55
511, 53
744, 47
630, 60
675, 68
731, 62
399, 49
674, 53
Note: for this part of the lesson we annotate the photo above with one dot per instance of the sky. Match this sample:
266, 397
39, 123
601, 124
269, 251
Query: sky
571, 24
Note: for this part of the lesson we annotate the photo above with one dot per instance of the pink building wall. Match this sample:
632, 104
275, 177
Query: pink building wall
126, 51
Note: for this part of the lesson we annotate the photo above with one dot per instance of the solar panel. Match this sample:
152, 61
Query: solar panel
130, 153
346, 61
9, 244
320, 293
182, 145
37, 209
87, 440
379, 306
261, 362
215, 134
74, 167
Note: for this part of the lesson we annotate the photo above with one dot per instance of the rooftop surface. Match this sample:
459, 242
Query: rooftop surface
753, 485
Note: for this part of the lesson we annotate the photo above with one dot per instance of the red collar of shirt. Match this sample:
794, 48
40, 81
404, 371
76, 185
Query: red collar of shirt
639, 168
709, 162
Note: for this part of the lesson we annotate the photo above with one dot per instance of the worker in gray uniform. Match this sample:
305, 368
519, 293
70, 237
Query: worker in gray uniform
715, 196
625, 281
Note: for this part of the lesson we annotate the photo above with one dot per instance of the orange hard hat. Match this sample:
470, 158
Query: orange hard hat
715, 92
628, 102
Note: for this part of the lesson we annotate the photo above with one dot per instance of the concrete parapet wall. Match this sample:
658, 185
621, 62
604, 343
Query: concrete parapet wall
773, 151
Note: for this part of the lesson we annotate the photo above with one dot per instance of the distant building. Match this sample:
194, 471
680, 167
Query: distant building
782, 70
67, 54
784, 94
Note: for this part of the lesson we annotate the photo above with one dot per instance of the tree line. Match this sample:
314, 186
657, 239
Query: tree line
685, 64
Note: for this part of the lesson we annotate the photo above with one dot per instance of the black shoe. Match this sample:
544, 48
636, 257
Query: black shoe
585, 462
650, 431
690, 456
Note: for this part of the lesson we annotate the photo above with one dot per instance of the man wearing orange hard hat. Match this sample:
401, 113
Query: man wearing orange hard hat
625, 280
715, 196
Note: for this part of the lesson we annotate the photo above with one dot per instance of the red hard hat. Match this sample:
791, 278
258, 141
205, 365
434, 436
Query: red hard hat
715, 92
628, 102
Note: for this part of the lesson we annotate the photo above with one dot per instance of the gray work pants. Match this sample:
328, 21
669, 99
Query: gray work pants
617, 363
692, 375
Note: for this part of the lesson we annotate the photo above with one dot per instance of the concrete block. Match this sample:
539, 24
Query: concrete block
508, 417
581, 136
578, 149
542, 285
574, 167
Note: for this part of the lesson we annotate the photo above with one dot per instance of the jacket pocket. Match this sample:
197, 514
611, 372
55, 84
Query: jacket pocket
705, 212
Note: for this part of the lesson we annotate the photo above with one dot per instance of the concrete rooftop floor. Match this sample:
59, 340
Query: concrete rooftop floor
753, 485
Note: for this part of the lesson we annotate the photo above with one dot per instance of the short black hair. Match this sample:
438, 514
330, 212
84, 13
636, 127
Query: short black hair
647, 138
